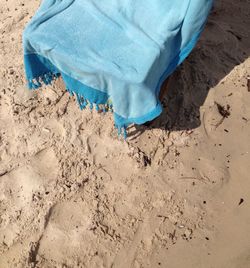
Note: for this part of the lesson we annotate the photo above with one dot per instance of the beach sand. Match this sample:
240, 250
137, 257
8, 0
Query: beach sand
176, 194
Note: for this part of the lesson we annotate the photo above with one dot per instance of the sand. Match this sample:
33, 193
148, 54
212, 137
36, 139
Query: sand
175, 194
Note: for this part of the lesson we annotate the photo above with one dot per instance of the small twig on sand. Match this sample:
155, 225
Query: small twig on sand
224, 112
193, 178
3, 173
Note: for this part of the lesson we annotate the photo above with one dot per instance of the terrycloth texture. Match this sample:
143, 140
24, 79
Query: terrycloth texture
116, 50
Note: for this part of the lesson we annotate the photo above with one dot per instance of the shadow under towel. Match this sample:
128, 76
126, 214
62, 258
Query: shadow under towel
115, 53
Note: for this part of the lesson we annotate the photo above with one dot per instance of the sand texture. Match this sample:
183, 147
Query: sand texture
175, 195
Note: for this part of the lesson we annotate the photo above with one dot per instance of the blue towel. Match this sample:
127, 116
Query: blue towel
112, 52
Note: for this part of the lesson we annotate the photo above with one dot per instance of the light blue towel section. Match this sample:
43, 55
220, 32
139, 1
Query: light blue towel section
118, 50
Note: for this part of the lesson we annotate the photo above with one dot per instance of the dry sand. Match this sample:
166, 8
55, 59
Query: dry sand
176, 194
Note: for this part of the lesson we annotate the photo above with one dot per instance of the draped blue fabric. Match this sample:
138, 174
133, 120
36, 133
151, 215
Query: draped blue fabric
112, 51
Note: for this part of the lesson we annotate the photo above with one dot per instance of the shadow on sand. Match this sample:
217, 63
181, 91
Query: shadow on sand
223, 45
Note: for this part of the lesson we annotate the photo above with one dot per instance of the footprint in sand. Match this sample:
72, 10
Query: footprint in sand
212, 173
17, 190
208, 175
66, 232
45, 163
